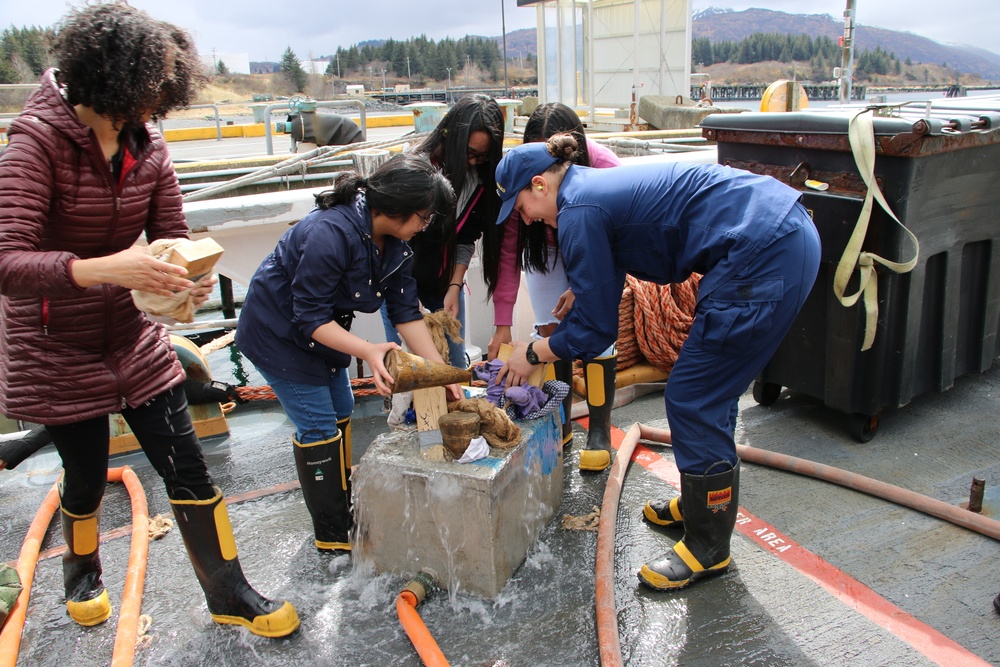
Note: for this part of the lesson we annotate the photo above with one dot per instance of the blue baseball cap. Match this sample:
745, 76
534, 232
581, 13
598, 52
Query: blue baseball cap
515, 171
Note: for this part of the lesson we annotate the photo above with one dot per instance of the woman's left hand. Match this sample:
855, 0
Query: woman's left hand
203, 289
451, 301
564, 305
517, 370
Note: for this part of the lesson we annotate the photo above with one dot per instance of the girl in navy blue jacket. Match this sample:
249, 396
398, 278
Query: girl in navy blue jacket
350, 254
758, 252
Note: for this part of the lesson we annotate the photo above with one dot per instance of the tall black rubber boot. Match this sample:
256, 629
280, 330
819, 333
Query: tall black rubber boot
208, 536
711, 502
86, 598
599, 375
344, 427
564, 373
668, 512
996, 603
324, 474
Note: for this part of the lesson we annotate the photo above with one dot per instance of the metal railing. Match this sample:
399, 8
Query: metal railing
218, 122
268, 134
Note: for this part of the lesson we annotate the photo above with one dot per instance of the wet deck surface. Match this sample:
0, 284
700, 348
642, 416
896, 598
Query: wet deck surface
821, 574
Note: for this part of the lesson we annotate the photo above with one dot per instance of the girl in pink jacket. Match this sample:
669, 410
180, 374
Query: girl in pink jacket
535, 250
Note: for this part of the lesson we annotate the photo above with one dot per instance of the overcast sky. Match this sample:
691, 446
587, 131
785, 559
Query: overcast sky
264, 28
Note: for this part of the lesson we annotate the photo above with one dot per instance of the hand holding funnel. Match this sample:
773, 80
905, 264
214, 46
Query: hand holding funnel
411, 372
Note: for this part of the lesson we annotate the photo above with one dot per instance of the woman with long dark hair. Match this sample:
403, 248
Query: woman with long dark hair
466, 145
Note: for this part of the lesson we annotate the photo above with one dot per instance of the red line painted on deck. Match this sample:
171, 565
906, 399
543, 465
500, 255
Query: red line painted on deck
859, 597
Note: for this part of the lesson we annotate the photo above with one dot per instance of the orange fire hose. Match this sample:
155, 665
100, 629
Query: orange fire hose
604, 571
128, 615
420, 636
10, 636
135, 577
873, 487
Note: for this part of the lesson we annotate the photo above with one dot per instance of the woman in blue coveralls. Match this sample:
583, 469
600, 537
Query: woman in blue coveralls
348, 255
758, 252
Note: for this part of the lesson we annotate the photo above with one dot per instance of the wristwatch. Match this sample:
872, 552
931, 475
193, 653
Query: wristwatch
530, 355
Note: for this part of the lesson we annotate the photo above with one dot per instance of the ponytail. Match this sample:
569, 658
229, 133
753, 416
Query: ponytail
345, 189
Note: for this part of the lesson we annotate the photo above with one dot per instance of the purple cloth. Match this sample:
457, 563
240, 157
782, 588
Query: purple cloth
488, 372
526, 399
525, 402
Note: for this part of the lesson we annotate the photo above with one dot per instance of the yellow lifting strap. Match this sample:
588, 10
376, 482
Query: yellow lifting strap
861, 133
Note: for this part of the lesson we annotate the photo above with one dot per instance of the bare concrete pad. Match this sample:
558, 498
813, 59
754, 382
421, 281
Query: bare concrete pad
471, 523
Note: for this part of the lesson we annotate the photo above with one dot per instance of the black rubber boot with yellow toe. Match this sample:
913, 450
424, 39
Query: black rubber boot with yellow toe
563, 371
599, 375
711, 502
208, 536
324, 470
86, 598
667, 513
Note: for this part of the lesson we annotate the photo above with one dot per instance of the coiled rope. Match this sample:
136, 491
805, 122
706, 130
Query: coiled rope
359, 386
654, 320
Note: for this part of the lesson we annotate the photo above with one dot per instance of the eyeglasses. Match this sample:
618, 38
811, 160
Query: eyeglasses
477, 156
428, 221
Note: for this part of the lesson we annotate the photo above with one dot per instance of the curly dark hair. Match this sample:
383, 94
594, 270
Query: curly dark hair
124, 64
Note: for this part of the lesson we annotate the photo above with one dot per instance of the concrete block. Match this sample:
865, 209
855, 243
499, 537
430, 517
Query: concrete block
471, 523
509, 108
663, 113
528, 105
427, 115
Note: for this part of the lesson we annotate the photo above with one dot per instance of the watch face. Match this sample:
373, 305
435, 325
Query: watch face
530, 355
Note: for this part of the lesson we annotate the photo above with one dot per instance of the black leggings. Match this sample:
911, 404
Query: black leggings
164, 430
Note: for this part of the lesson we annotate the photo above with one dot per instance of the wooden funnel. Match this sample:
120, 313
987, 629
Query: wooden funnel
457, 431
411, 372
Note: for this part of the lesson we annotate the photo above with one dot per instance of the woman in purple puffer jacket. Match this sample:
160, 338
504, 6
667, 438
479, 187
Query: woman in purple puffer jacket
81, 179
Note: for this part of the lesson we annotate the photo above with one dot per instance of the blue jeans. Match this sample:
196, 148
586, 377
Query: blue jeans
456, 351
314, 408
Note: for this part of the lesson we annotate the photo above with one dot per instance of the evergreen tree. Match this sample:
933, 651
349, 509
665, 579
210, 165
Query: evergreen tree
351, 60
24, 54
292, 69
